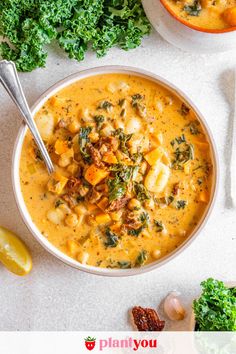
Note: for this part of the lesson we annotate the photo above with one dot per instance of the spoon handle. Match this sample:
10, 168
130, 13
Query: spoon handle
10, 81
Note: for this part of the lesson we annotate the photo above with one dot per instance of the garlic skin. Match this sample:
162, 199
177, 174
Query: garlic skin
173, 307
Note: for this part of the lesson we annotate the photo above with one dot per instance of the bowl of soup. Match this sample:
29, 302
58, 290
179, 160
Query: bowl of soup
135, 171
195, 25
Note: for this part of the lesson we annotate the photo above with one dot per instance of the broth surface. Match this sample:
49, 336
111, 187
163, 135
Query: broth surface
133, 171
208, 14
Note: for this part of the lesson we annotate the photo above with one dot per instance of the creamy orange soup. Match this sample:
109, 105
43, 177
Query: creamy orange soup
208, 14
133, 171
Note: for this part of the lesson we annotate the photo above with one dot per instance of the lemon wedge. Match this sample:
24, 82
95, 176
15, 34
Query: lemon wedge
13, 253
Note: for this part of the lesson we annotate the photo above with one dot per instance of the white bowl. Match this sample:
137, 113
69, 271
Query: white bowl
185, 36
16, 179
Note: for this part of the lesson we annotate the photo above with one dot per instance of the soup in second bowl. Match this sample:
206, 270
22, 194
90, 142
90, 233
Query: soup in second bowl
208, 14
133, 171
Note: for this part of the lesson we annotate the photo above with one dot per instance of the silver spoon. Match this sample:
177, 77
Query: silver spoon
10, 81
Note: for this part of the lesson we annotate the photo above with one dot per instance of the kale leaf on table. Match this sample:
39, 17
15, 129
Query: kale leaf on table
27, 26
215, 310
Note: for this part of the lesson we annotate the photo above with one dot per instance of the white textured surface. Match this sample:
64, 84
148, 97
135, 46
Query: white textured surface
56, 297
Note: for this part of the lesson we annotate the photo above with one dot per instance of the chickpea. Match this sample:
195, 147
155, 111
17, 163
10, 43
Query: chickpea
94, 137
72, 168
107, 130
149, 204
55, 216
80, 210
64, 161
134, 204
230, 16
182, 233
71, 220
84, 114
156, 254
116, 215
143, 167
64, 208
74, 127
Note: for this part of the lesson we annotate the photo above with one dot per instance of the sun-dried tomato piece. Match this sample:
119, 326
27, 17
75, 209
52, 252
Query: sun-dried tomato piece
147, 319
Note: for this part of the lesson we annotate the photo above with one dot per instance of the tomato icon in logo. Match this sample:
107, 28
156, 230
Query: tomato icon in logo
90, 343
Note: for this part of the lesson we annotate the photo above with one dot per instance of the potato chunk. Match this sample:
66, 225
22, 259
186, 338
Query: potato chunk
57, 183
45, 124
133, 125
55, 216
157, 178
94, 175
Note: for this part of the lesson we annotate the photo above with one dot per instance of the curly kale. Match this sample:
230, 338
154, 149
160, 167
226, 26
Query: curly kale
27, 26
215, 310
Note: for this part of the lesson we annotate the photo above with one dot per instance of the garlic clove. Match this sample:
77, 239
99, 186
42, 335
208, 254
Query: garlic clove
173, 307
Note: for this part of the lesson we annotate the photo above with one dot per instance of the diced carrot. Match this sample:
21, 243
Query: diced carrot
54, 101
57, 183
60, 147
94, 175
116, 226
166, 159
154, 156
91, 207
204, 197
103, 218
202, 145
109, 157
157, 139
230, 16
102, 204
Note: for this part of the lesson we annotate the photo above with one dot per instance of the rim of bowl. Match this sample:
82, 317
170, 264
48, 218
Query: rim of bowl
194, 27
58, 86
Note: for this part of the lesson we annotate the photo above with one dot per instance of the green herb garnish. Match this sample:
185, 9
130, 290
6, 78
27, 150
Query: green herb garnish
106, 105
215, 310
83, 141
141, 192
28, 26
99, 119
194, 9
58, 203
193, 127
136, 99
181, 204
122, 175
183, 154
124, 264
124, 138
144, 218
184, 110
141, 258
181, 139
159, 226
111, 238
116, 188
